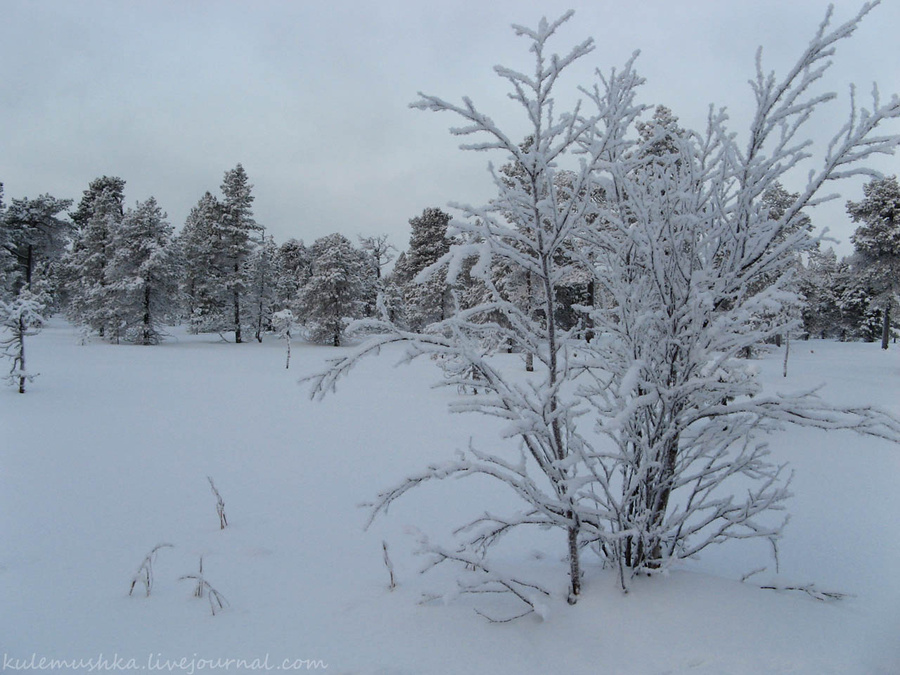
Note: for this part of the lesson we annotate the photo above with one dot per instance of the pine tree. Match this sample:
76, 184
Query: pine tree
8, 267
292, 267
86, 265
860, 317
111, 184
236, 231
426, 299
820, 286
201, 280
877, 244
36, 235
143, 274
336, 289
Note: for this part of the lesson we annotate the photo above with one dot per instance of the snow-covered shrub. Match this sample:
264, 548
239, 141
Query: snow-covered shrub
643, 442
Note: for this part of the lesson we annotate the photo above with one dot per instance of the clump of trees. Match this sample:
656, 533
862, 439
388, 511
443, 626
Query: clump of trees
855, 298
639, 434
122, 273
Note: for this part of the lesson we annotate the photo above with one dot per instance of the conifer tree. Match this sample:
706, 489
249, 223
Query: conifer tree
426, 299
86, 265
198, 246
237, 229
143, 273
820, 288
877, 244
113, 185
338, 284
35, 234
7, 256
292, 267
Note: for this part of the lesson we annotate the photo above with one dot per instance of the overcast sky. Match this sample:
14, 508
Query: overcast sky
312, 96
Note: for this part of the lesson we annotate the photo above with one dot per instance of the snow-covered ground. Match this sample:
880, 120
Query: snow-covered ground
108, 453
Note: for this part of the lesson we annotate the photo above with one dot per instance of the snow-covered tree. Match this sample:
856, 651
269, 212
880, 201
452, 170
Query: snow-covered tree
216, 243
198, 248
21, 317
381, 253
112, 185
283, 324
142, 274
381, 250
643, 444
237, 231
86, 266
699, 254
36, 235
292, 265
425, 299
860, 318
262, 286
336, 290
877, 244
8, 275
820, 287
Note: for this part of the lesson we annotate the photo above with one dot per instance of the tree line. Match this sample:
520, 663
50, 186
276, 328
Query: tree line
123, 273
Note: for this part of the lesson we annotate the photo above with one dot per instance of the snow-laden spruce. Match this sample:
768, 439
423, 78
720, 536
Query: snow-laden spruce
639, 428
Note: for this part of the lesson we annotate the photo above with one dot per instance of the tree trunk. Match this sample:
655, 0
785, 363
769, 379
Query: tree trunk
529, 357
574, 564
886, 327
588, 320
21, 357
146, 331
787, 353
237, 313
287, 362
29, 264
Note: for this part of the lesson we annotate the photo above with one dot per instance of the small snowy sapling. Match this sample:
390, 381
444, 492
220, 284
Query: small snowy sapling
283, 323
20, 318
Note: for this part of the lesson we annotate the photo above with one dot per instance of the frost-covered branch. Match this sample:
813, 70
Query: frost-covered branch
481, 577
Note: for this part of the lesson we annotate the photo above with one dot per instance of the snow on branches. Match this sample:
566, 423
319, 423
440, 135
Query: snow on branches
638, 432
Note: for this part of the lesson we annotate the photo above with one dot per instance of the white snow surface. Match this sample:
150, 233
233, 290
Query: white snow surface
108, 454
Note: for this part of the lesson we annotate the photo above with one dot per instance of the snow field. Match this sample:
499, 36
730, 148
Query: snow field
107, 456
